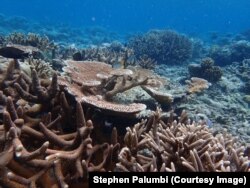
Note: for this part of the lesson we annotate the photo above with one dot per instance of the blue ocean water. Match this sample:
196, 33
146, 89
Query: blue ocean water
125, 16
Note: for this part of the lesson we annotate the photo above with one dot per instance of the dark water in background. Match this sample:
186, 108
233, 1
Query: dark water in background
124, 16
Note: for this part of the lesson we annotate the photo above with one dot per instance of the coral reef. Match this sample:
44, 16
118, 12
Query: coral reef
206, 70
116, 55
163, 46
31, 39
242, 70
43, 69
50, 136
227, 54
246, 87
101, 111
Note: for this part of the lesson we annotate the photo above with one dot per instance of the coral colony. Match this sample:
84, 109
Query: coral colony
136, 107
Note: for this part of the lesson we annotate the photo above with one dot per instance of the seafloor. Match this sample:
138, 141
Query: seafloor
74, 101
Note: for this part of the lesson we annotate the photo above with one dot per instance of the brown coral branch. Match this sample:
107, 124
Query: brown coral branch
31, 182
59, 175
40, 93
54, 138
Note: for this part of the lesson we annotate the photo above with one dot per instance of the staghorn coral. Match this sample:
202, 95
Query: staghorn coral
160, 145
16, 83
67, 157
116, 56
50, 141
34, 91
206, 70
31, 39
146, 62
163, 46
43, 69
10, 76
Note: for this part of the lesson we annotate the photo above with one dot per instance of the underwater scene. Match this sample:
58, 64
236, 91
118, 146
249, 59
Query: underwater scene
122, 86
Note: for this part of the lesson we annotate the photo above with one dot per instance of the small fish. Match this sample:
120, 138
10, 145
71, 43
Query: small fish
19, 51
12, 52
209, 123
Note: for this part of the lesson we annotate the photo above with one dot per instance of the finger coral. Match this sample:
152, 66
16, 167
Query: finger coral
68, 158
159, 145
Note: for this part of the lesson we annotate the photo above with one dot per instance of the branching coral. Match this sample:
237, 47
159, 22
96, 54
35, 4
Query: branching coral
115, 56
43, 69
163, 46
69, 157
31, 39
158, 145
47, 139
33, 91
206, 70
121, 81
105, 54
9, 77
146, 62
